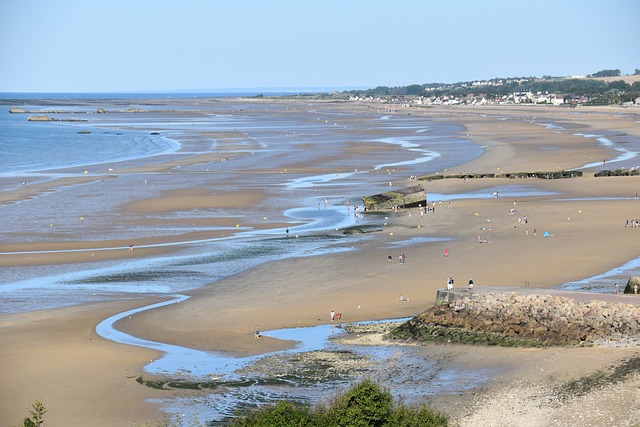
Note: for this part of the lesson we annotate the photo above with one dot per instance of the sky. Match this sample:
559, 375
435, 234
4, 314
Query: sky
159, 45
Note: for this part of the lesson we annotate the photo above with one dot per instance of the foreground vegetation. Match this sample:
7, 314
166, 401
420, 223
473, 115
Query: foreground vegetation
364, 405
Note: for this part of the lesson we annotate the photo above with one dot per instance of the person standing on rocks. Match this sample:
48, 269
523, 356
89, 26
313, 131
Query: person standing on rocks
450, 284
470, 284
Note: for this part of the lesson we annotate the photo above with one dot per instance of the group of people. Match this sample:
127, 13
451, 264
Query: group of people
633, 223
450, 283
401, 259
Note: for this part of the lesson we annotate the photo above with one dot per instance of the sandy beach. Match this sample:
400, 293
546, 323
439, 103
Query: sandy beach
55, 355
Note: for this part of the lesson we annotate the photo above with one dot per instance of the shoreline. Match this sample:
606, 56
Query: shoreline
361, 284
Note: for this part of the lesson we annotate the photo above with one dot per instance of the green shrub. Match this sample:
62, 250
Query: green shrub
37, 415
422, 416
364, 405
281, 414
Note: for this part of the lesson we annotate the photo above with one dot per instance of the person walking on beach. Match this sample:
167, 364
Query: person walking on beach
287, 231
470, 284
390, 259
615, 288
332, 315
258, 331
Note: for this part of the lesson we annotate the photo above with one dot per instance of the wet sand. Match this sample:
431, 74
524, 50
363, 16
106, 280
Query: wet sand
55, 356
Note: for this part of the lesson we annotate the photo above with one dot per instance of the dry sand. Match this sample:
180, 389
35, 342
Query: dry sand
55, 355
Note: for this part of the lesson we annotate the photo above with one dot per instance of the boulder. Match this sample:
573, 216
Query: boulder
633, 280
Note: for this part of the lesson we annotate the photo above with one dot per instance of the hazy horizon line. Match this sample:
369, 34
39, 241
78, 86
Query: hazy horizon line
317, 89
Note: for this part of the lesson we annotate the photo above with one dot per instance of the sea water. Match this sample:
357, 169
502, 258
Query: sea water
34, 147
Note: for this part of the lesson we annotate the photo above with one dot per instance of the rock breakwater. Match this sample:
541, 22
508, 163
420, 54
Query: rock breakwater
531, 320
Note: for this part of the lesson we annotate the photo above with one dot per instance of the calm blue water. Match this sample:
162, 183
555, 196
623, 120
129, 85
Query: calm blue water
29, 147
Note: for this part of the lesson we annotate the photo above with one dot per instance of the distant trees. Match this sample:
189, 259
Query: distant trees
598, 91
607, 73
414, 90
637, 72
620, 85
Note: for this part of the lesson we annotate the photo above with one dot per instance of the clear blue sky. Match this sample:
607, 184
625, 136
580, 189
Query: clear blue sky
157, 45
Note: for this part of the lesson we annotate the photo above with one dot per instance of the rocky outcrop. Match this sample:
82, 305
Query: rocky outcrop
619, 172
511, 175
17, 110
511, 319
51, 119
402, 197
101, 110
40, 119
414, 196
631, 283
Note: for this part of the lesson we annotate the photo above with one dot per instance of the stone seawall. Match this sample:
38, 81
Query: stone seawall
528, 319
